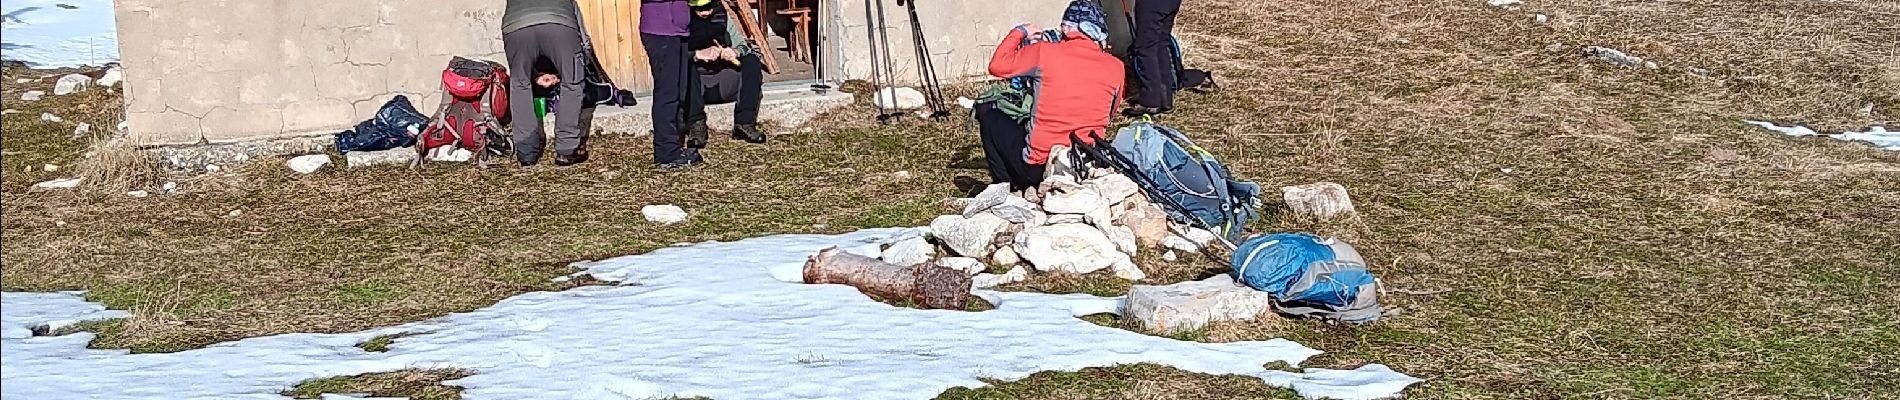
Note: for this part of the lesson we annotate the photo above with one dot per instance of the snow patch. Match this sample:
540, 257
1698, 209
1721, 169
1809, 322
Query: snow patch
59, 33
1879, 136
706, 319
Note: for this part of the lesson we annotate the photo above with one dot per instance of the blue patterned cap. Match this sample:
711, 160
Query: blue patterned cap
1088, 17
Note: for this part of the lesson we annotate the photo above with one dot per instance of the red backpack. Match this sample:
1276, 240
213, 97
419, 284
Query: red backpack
474, 109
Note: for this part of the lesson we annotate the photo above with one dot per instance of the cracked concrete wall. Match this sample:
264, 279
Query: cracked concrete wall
961, 35
220, 71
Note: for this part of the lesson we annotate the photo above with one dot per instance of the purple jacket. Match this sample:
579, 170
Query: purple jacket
664, 17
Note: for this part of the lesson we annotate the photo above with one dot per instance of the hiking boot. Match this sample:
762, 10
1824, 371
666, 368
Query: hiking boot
749, 133
696, 136
1138, 111
689, 158
579, 156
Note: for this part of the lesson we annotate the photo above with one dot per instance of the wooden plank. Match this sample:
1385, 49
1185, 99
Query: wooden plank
750, 23
633, 56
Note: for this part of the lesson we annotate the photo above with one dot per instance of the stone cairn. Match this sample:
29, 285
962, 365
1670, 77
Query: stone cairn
1068, 224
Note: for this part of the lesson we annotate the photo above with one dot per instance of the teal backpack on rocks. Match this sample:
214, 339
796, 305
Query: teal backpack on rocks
1196, 186
1309, 276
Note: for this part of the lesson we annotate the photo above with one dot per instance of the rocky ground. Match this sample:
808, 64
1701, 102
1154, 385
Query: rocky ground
1549, 221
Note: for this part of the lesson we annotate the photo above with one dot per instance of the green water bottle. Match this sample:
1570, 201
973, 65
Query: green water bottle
540, 108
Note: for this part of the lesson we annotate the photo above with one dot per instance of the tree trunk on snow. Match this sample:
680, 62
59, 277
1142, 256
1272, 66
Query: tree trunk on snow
929, 285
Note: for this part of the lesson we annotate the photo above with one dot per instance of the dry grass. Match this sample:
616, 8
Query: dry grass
414, 384
1567, 229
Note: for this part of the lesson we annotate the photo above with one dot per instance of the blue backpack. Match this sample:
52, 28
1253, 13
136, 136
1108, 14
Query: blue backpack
1309, 277
1199, 186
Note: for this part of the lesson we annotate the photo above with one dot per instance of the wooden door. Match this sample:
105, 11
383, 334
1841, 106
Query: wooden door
614, 26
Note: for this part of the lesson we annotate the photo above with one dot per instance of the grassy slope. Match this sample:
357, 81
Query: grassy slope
1643, 244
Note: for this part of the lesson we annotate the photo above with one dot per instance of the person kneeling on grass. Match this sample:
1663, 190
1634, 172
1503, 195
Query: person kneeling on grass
726, 69
1078, 87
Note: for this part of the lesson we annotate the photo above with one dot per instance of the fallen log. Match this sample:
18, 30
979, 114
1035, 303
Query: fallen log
928, 285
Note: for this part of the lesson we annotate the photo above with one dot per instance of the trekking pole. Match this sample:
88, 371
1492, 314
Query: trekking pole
927, 68
890, 72
877, 82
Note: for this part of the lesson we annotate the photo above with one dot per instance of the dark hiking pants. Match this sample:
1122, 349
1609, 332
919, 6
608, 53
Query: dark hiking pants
1154, 30
560, 45
671, 66
722, 83
1005, 145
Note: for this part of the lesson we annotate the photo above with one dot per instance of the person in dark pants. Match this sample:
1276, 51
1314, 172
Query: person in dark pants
727, 69
1154, 29
663, 32
1079, 86
535, 31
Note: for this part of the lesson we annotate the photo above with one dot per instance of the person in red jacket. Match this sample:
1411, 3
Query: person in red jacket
1078, 86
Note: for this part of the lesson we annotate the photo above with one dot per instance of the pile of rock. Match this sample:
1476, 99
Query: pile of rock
1069, 224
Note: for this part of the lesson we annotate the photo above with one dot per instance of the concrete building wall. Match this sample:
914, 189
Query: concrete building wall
224, 71
233, 70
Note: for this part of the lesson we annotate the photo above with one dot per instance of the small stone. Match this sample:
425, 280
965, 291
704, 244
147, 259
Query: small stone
112, 77
1506, 170
1191, 240
967, 265
309, 163
213, 168
64, 183
234, 213
1126, 269
1148, 222
1070, 248
1651, 65
991, 196
1114, 187
138, 194
10, 111
23, 80
1323, 200
32, 95
71, 83
968, 237
397, 156
169, 187
1170, 256
666, 214
1504, 3
1191, 305
900, 98
1123, 238
909, 252
1612, 56
985, 281
966, 102
50, 168
1006, 256
901, 175
49, 117
81, 130
1542, 19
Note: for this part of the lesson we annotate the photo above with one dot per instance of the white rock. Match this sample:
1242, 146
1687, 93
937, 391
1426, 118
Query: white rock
64, 183
213, 168
910, 252
1504, 3
1114, 187
397, 156
1612, 56
23, 80
1101, 216
1323, 200
50, 168
1072, 200
1191, 305
1170, 256
901, 98
32, 95
966, 102
665, 214
1059, 165
967, 265
138, 194
1071, 248
112, 77
1126, 269
1016, 210
1651, 65
309, 163
234, 213
10, 111
450, 154
1146, 220
124, 125
1190, 240
49, 117
901, 175
985, 281
169, 187
1123, 238
991, 196
968, 237
1006, 255
1542, 19
71, 83
81, 129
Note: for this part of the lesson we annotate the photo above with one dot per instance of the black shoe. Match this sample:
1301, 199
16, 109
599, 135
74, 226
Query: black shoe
696, 136
579, 156
749, 133
690, 158
1138, 111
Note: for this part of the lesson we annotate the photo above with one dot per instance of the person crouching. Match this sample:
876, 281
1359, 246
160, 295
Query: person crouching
1078, 87
727, 69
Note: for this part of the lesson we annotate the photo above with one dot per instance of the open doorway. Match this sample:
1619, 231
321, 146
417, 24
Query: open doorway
791, 36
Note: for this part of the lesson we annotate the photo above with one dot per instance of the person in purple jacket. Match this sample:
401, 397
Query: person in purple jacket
663, 32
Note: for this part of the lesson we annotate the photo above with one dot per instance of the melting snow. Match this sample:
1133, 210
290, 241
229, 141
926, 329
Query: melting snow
58, 33
722, 320
1879, 136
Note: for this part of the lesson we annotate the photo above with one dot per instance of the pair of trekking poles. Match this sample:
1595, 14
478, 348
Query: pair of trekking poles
883, 74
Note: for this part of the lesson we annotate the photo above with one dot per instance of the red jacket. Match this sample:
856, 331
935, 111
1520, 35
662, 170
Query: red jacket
1078, 87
